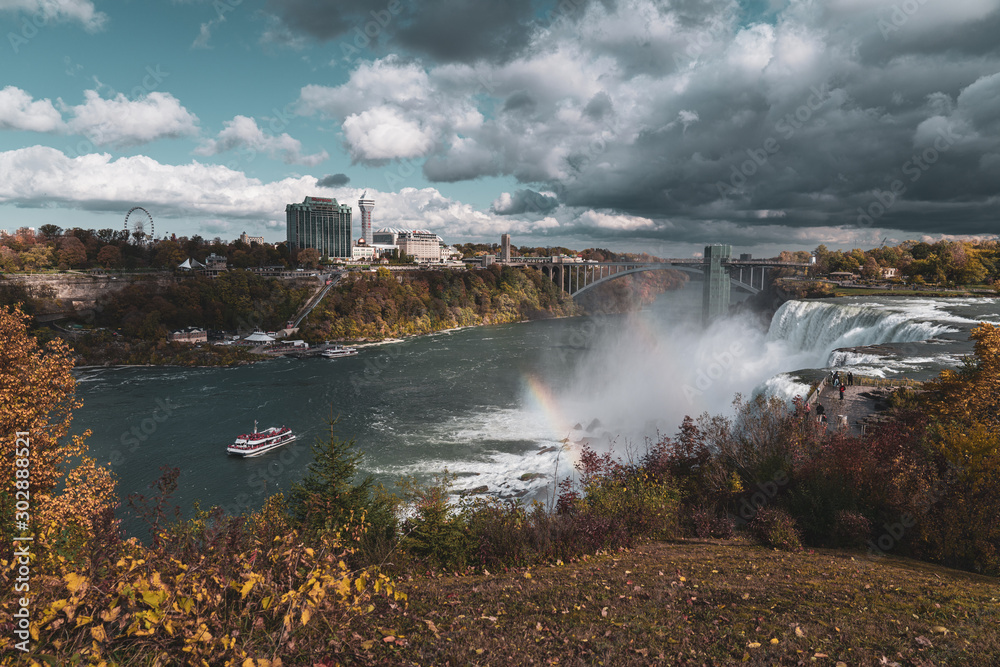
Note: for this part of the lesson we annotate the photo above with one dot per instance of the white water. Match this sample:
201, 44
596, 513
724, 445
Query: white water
646, 375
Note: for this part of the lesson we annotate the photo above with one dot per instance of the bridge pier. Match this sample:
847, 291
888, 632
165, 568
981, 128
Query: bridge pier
715, 297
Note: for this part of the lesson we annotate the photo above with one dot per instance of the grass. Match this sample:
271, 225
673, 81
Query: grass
692, 602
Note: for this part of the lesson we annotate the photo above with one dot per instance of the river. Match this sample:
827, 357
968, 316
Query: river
494, 404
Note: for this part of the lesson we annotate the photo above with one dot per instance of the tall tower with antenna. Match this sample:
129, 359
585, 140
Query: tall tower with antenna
367, 206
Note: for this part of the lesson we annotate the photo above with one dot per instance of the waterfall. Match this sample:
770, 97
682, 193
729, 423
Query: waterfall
817, 328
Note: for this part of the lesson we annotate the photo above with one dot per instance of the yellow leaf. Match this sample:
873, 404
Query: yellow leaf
248, 662
97, 632
753, 645
74, 581
306, 615
246, 588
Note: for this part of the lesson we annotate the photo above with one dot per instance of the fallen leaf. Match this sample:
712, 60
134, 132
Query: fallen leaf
753, 645
940, 629
799, 632
924, 641
604, 612
389, 640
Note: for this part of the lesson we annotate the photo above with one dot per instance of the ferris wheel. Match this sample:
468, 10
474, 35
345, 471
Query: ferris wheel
138, 227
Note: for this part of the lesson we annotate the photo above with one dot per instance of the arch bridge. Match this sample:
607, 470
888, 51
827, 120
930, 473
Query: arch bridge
719, 269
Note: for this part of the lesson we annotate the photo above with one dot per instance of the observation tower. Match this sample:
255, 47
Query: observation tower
367, 206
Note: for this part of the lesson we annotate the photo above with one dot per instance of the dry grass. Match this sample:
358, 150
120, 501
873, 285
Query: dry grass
693, 602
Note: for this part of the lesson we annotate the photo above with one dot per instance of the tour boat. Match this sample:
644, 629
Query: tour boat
339, 351
258, 442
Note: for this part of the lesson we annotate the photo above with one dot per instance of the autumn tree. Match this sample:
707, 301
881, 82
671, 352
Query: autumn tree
72, 252
309, 257
36, 407
109, 256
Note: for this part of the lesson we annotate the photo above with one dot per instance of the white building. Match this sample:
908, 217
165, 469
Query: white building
362, 252
424, 246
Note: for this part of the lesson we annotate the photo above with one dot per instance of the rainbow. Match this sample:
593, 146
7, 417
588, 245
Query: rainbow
541, 397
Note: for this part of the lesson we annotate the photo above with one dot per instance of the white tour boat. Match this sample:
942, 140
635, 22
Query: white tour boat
258, 442
337, 351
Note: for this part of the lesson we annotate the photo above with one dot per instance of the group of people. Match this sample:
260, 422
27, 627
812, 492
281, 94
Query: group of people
839, 382
820, 413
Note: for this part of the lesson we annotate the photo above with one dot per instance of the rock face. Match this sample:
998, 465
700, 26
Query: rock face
76, 292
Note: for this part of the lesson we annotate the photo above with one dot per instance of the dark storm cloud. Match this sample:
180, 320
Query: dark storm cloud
694, 120
333, 180
520, 101
445, 30
524, 201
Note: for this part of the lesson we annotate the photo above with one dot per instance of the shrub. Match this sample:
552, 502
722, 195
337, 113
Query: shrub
707, 523
774, 527
500, 532
851, 529
436, 532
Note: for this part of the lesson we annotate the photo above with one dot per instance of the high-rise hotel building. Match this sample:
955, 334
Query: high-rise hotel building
322, 224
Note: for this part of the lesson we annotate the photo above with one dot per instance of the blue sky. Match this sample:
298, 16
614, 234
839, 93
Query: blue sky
629, 124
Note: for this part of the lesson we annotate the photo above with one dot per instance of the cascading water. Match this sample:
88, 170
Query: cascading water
820, 328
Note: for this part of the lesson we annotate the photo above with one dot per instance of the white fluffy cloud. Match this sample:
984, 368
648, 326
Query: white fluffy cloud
389, 109
121, 122
243, 133
18, 111
58, 10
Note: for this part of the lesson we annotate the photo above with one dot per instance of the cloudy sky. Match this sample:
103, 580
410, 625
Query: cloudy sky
628, 124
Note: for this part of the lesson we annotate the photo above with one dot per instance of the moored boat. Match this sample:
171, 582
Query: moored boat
337, 351
254, 444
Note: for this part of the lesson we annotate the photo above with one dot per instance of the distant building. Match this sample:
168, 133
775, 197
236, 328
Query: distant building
322, 224
216, 262
890, 272
421, 245
362, 251
366, 206
189, 335
505, 247
259, 240
424, 246
190, 264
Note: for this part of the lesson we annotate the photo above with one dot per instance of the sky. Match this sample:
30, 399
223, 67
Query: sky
632, 125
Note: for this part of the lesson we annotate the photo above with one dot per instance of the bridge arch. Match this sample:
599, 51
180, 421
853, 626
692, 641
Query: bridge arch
668, 267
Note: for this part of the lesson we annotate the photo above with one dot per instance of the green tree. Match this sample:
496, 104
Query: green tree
328, 497
50, 231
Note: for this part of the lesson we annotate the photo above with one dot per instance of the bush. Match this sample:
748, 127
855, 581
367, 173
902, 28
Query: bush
851, 529
436, 532
706, 523
774, 527
500, 533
